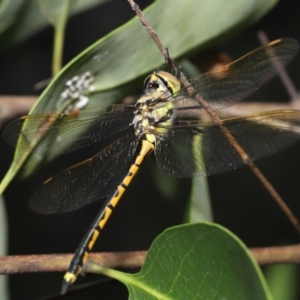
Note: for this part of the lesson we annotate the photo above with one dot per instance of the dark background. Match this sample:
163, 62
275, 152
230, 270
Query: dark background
239, 201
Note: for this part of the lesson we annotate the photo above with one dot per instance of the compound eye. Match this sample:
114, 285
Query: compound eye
149, 84
138, 104
153, 85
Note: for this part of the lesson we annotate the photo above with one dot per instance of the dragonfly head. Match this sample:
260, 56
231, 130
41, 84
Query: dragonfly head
162, 82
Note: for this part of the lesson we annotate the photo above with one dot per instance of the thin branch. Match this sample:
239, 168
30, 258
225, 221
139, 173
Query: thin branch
283, 75
125, 260
244, 156
148, 27
244, 108
59, 37
277, 255
60, 262
11, 106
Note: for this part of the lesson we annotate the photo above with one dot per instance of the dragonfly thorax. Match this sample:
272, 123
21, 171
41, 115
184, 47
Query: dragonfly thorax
154, 109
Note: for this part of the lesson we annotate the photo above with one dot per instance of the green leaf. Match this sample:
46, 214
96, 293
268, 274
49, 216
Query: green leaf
283, 281
118, 61
25, 19
199, 261
8, 13
199, 208
53, 10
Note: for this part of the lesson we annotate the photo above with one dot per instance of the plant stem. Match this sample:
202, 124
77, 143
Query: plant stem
59, 35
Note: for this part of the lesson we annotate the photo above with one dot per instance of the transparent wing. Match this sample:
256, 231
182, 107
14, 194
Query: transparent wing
191, 148
225, 86
61, 133
91, 180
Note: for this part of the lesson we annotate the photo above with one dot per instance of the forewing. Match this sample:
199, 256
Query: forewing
91, 180
191, 149
225, 86
62, 133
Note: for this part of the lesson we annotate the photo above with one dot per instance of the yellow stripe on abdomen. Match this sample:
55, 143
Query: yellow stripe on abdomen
80, 257
147, 148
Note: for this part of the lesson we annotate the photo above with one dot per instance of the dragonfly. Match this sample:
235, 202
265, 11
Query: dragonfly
167, 120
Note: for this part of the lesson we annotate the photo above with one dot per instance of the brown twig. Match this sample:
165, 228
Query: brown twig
277, 255
60, 262
246, 108
244, 156
11, 106
150, 30
283, 75
125, 260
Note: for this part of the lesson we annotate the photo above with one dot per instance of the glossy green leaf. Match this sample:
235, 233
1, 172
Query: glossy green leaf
199, 208
121, 58
199, 261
